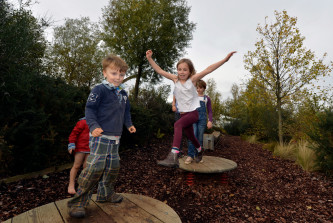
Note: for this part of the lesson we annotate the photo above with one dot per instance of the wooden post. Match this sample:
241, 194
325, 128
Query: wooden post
208, 141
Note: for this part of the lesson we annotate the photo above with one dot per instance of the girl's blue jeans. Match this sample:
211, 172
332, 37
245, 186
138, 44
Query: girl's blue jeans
199, 128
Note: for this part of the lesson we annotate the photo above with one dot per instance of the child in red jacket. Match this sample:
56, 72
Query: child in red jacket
79, 146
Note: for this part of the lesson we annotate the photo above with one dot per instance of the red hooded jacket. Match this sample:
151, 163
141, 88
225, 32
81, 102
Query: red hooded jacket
80, 136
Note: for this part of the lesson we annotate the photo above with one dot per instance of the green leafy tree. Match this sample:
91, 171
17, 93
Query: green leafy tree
260, 110
76, 53
322, 138
22, 48
282, 64
151, 114
131, 27
37, 112
234, 112
304, 116
216, 100
233, 105
22, 43
251, 111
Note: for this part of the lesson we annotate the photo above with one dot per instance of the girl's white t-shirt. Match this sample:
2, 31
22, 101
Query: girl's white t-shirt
186, 96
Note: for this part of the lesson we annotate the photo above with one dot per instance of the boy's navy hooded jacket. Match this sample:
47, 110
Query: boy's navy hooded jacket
108, 109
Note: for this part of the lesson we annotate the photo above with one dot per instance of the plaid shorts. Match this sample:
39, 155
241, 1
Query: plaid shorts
102, 169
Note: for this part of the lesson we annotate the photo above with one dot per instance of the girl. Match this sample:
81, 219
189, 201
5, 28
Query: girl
79, 146
188, 101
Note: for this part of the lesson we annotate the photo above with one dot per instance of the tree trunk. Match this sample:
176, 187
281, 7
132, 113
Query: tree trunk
278, 96
279, 108
137, 82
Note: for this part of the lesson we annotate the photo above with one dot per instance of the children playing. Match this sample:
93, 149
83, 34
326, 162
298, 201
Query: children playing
107, 110
79, 146
188, 101
199, 127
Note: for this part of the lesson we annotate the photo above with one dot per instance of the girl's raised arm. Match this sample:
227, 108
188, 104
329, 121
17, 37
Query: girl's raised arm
211, 68
157, 68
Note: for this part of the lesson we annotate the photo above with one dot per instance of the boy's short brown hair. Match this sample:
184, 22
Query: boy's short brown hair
201, 84
114, 61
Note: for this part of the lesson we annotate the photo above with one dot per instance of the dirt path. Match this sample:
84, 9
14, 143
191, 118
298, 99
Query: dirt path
261, 189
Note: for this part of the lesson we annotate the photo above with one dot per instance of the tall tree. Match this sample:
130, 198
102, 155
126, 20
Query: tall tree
22, 43
22, 47
260, 111
75, 54
131, 27
281, 63
216, 99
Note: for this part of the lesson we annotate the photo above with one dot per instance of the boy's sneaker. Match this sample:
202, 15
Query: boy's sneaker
77, 212
114, 198
188, 160
198, 158
170, 161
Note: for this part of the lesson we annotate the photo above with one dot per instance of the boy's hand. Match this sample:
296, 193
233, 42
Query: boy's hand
132, 129
149, 53
174, 109
71, 151
97, 132
209, 125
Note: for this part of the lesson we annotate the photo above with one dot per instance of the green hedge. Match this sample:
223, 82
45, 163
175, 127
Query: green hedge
322, 137
35, 131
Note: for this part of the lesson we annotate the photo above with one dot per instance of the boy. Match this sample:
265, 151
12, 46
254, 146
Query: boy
199, 127
107, 110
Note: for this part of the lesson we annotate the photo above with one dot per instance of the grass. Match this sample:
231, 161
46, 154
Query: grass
306, 157
251, 139
270, 146
299, 152
286, 151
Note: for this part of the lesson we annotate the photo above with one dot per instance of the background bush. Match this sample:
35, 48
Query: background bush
151, 115
23, 120
35, 134
322, 137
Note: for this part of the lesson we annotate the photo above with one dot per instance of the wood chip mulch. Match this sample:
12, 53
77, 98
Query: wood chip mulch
263, 188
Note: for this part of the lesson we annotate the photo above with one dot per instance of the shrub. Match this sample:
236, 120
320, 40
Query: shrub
36, 133
236, 127
252, 139
322, 137
37, 112
270, 146
151, 115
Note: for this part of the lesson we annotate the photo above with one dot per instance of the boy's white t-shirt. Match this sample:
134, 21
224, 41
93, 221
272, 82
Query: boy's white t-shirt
186, 96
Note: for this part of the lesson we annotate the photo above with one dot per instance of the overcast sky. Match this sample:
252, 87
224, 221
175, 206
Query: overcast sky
222, 26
